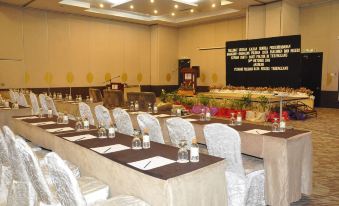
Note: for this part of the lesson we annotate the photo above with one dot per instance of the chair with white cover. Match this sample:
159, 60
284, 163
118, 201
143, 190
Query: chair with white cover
34, 103
5, 170
21, 191
12, 96
123, 121
70, 191
16, 96
22, 100
150, 122
43, 103
51, 105
180, 129
102, 114
35, 174
223, 141
85, 112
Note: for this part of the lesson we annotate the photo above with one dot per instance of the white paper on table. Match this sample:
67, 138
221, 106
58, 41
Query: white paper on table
110, 148
61, 129
6, 108
80, 137
29, 117
43, 123
191, 120
162, 115
257, 131
151, 163
136, 112
74, 103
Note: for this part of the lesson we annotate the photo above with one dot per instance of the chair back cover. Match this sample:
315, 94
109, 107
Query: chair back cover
43, 103
180, 129
123, 121
85, 112
34, 102
22, 100
4, 156
66, 185
224, 141
16, 96
255, 188
51, 105
34, 172
152, 124
12, 96
103, 116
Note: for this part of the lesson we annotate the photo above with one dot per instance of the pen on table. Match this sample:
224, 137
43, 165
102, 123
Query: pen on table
80, 138
147, 163
107, 149
257, 132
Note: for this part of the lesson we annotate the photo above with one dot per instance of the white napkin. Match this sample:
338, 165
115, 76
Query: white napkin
43, 123
80, 137
62, 129
110, 148
162, 115
191, 120
29, 117
257, 131
151, 163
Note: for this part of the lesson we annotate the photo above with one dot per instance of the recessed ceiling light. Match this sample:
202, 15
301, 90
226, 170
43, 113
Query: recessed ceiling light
155, 11
176, 6
131, 6
225, 2
213, 5
192, 10
101, 5
152, 1
173, 14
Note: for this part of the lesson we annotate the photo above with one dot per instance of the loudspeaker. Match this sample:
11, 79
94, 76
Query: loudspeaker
182, 63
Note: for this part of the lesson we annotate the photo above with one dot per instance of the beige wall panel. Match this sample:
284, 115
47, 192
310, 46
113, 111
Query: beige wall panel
256, 22
273, 19
11, 37
58, 48
78, 50
155, 55
211, 62
144, 46
35, 46
14, 74
290, 19
131, 57
117, 46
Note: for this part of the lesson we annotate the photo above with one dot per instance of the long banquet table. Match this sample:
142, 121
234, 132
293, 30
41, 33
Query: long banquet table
7, 113
287, 156
202, 183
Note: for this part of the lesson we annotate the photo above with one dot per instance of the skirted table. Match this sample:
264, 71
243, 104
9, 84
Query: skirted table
7, 113
287, 156
175, 184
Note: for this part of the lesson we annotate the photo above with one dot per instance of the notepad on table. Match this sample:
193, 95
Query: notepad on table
43, 123
257, 131
162, 115
151, 163
62, 129
110, 148
80, 137
191, 120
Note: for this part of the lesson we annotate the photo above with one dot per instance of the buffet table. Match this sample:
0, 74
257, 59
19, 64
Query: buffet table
287, 156
202, 183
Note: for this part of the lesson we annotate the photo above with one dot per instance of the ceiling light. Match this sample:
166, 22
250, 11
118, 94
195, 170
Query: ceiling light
213, 5
173, 14
155, 11
116, 3
192, 10
188, 2
176, 6
101, 5
152, 1
225, 2
131, 6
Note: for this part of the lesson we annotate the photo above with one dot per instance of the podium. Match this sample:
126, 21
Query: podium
189, 84
115, 86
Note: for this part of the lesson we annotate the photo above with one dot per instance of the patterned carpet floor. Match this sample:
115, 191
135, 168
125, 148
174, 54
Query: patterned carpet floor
325, 138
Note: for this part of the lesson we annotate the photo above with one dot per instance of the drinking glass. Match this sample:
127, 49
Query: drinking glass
131, 106
78, 124
101, 131
136, 142
149, 110
232, 119
182, 153
275, 125
282, 125
60, 118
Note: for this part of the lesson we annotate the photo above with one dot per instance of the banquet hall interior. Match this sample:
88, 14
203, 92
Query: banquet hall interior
169, 102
